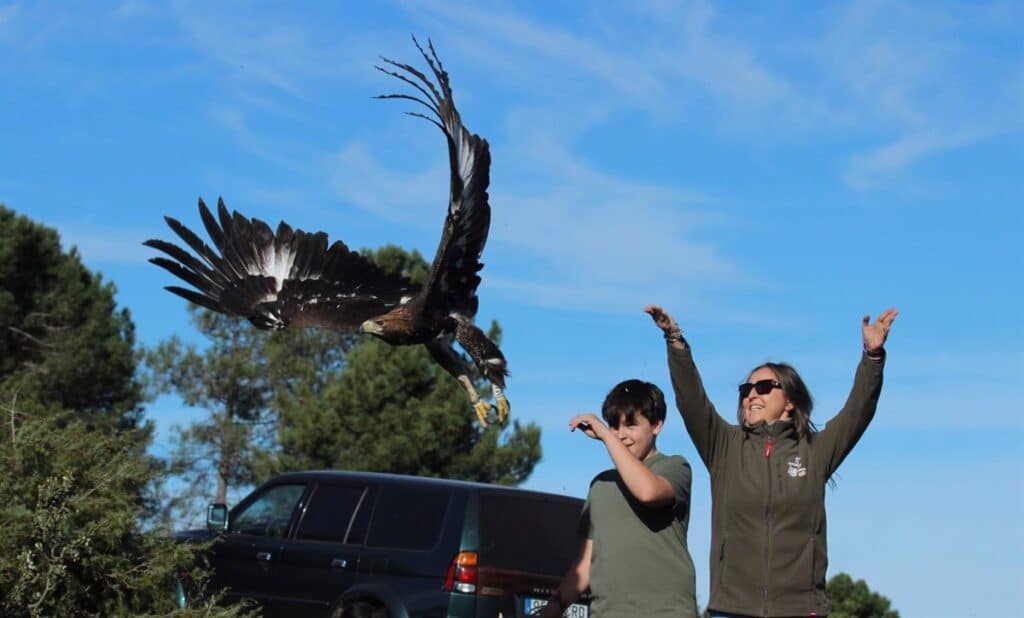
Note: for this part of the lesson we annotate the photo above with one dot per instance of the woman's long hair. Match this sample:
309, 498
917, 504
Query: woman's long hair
796, 391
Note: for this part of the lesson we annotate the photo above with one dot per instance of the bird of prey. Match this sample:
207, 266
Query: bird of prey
291, 278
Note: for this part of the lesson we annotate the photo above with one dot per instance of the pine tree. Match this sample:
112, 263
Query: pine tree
229, 380
310, 398
853, 599
72, 543
76, 483
393, 409
64, 345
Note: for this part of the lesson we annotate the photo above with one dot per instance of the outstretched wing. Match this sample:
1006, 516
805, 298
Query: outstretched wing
277, 279
451, 286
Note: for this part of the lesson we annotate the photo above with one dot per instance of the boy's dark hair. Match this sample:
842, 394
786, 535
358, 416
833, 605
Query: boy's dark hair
633, 397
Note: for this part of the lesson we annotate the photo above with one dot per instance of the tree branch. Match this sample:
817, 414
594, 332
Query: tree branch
14, 428
28, 336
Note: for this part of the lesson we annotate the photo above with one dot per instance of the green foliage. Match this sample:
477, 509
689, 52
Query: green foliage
394, 259
229, 378
335, 401
72, 544
72, 445
63, 342
76, 481
853, 599
393, 409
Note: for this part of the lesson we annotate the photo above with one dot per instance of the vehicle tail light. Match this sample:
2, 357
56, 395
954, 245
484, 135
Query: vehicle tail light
466, 574
462, 573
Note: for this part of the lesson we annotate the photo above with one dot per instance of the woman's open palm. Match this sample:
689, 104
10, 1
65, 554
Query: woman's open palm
876, 334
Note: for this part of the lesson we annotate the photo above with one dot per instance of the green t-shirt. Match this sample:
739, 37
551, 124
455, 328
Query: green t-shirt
641, 565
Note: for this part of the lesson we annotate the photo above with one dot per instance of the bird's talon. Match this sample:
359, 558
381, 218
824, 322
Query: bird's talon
482, 409
503, 409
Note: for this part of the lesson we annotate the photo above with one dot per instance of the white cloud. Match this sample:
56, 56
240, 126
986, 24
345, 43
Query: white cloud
727, 68
285, 53
522, 39
587, 238
8, 14
419, 198
651, 59
29, 29
130, 9
269, 53
234, 121
899, 78
977, 405
104, 244
932, 386
919, 77
574, 222
620, 236
899, 74
866, 171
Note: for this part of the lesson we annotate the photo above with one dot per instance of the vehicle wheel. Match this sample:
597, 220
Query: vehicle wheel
361, 608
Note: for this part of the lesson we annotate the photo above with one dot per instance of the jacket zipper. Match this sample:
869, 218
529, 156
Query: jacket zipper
767, 518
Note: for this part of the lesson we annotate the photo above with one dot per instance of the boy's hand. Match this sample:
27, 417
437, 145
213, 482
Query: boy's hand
590, 425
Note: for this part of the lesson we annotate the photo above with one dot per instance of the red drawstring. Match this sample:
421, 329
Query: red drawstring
768, 448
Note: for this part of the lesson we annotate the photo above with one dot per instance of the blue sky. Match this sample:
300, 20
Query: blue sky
769, 175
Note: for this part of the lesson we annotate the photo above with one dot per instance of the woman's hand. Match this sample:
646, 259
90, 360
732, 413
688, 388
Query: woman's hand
590, 425
661, 319
876, 334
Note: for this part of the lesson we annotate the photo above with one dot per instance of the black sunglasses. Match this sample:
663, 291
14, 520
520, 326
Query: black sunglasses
763, 387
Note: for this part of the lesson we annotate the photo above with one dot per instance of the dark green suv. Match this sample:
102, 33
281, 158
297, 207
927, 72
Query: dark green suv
339, 544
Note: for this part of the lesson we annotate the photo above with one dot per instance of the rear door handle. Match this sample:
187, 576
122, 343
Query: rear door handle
339, 563
265, 556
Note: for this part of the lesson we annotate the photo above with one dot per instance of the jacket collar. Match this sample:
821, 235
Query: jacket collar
779, 430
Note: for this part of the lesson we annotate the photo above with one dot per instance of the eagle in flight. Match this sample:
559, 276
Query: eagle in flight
291, 278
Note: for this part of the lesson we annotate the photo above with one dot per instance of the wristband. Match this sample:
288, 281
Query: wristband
674, 335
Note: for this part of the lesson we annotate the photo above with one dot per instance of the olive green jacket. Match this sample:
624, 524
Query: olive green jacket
768, 535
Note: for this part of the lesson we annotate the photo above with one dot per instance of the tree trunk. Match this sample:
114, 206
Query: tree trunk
227, 454
222, 489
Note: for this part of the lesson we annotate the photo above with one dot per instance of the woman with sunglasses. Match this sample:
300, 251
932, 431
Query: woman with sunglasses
768, 475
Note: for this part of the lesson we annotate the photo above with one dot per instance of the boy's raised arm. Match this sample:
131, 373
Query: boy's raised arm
646, 486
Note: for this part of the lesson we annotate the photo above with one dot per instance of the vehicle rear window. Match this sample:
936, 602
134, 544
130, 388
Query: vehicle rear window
329, 513
526, 533
408, 517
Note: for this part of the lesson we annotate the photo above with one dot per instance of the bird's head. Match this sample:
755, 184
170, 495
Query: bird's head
395, 327
372, 327
387, 327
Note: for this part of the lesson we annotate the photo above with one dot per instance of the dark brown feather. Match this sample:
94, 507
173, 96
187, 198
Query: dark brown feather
290, 277
278, 279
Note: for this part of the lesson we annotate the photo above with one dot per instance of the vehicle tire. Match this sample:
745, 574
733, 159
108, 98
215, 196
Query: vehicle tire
361, 608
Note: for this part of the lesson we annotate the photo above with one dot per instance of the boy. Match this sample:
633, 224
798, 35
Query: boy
634, 557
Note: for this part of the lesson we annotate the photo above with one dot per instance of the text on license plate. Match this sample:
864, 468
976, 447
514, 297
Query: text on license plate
576, 610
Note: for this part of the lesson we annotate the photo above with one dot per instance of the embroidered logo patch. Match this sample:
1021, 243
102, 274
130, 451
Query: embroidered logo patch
796, 468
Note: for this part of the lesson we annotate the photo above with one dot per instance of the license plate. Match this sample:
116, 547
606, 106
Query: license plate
576, 610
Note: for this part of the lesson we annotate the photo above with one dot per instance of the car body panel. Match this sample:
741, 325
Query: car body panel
388, 540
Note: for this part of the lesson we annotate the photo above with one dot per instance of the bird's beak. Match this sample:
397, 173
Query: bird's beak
370, 328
